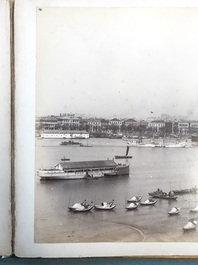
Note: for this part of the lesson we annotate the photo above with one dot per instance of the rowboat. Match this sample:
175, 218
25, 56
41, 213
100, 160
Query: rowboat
80, 207
192, 224
160, 194
165, 196
195, 210
174, 210
132, 206
148, 202
186, 191
64, 159
135, 199
106, 206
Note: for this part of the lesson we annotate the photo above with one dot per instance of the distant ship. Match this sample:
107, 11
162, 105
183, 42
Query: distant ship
84, 169
154, 143
70, 143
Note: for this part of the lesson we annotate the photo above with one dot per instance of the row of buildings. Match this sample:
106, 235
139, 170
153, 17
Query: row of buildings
72, 122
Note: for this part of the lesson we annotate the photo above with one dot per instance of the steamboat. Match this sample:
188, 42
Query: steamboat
84, 170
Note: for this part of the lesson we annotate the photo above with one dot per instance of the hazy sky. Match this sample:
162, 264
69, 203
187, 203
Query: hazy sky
123, 62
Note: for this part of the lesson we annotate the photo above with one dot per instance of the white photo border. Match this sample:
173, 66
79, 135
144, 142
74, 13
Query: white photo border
25, 71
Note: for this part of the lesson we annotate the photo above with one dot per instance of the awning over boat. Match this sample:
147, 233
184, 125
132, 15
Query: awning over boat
88, 164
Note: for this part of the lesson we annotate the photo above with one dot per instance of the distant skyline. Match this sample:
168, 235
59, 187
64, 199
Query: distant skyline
117, 62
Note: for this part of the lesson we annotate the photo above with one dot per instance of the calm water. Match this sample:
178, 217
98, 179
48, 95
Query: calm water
150, 168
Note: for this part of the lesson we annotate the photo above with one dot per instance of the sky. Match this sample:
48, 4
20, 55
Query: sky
117, 62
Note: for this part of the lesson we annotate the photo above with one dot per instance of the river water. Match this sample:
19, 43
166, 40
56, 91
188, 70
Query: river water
150, 168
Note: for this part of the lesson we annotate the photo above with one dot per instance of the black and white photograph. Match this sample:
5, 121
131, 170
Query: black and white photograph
116, 125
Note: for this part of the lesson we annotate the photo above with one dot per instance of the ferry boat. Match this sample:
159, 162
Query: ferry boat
84, 169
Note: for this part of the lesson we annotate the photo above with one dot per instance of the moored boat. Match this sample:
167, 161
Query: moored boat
81, 207
73, 143
174, 210
160, 194
124, 156
132, 206
191, 225
84, 169
165, 196
186, 191
148, 202
135, 199
65, 159
194, 210
106, 206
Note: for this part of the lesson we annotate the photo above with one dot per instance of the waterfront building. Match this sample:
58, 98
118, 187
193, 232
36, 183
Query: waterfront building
69, 121
94, 125
183, 127
48, 123
132, 122
194, 127
115, 122
156, 125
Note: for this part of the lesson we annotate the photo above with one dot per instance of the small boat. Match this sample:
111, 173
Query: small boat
124, 156
195, 210
165, 196
186, 191
160, 194
64, 159
81, 207
192, 224
84, 145
106, 206
78, 170
174, 210
148, 202
132, 206
135, 199
73, 143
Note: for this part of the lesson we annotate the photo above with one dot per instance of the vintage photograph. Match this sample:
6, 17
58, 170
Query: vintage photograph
116, 125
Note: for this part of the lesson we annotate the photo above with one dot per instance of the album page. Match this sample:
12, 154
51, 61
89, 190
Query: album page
5, 125
106, 128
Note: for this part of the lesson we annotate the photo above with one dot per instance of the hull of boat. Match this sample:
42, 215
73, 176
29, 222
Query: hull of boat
123, 157
105, 208
132, 206
82, 210
148, 203
120, 170
173, 213
186, 191
165, 197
